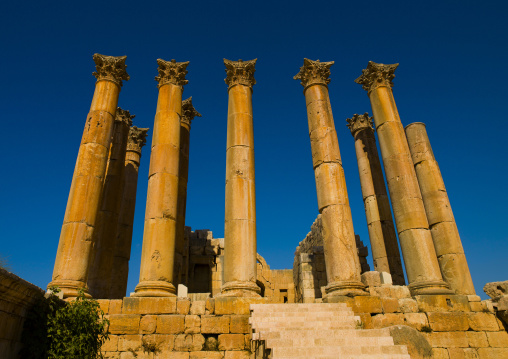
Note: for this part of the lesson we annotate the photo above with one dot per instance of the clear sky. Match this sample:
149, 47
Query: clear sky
453, 76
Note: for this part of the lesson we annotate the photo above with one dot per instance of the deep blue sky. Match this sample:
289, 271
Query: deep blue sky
452, 76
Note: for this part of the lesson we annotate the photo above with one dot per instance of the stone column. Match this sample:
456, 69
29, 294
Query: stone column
383, 240
422, 268
75, 245
159, 237
240, 217
339, 244
104, 236
445, 234
188, 114
122, 251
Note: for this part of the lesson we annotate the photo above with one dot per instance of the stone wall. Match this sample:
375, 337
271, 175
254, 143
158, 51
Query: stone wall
17, 296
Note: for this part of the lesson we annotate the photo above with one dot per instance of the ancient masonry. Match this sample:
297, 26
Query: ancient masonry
205, 297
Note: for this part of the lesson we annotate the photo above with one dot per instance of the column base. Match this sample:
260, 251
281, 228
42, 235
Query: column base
70, 288
240, 289
344, 288
429, 287
155, 288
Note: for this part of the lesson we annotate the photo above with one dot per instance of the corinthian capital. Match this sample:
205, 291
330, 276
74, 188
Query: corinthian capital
188, 111
137, 139
314, 72
172, 72
377, 75
240, 73
124, 116
359, 122
111, 68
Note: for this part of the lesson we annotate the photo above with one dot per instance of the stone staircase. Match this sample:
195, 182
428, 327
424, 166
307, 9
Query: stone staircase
318, 330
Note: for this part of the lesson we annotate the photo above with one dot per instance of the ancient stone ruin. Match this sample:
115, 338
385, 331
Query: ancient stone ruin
205, 297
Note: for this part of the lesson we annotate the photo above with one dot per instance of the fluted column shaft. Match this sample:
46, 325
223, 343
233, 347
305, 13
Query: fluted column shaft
107, 218
122, 251
449, 250
76, 238
339, 244
240, 214
159, 237
420, 260
383, 239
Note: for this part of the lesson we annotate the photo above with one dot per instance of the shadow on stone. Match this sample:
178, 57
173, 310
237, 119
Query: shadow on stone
418, 347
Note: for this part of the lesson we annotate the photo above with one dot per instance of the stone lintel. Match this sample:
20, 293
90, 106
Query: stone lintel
240, 73
377, 75
137, 139
188, 111
359, 122
314, 72
111, 68
171, 72
124, 116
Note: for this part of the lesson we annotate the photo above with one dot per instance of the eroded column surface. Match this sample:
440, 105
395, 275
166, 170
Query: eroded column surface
75, 244
122, 251
159, 237
341, 257
445, 233
420, 259
240, 217
188, 114
104, 236
383, 240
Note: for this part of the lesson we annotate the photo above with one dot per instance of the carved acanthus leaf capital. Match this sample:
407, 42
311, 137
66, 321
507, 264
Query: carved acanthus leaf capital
172, 72
359, 122
111, 68
188, 111
314, 72
240, 73
137, 139
124, 116
377, 75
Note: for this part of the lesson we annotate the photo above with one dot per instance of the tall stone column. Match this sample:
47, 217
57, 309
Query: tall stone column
104, 236
445, 233
188, 114
240, 217
159, 237
75, 245
122, 251
341, 257
383, 240
422, 268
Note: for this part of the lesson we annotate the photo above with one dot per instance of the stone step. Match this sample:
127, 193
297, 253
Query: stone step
329, 341
317, 333
300, 307
340, 350
275, 321
305, 326
322, 313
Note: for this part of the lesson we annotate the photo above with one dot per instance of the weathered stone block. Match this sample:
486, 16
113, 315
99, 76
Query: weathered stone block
391, 291
170, 324
476, 306
448, 339
477, 339
387, 320
371, 279
367, 304
183, 306
211, 324
448, 321
239, 324
104, 304
111, 345
442, 303
236, 305
164, 342
115, 306
149, 305
210, 306
440, 353
206, 355
492, 353
483, 322
192, 324
189, 342
498, 339
148, 324
198, 307
129, 342
416, 320
237, 354
124, 323
408, 305
231, 342
390, 305
366, 320
462, 353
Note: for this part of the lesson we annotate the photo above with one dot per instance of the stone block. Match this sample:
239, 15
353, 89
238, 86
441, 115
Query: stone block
115, 306
448, 340
198, 307
111, 355
111, 345
498, 339
474, 298
440, 353
183, 306
172, 355
104, 304
189, 342
164, 342
124, 323
387, 320
236, 305
386, 278
448, 321
149, 305
492, 353
170, 324
231, 341
148, 324
476, 306
239, 324
192, 324
210, 306
442, 303
367, 304
496, 289
390, 291
366, 320
462, 353
211, 324
483, 322
129, 342
390, 305
408, 305
416, 320
182, 291
237, 354
206, 355
371, 279
477, 339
